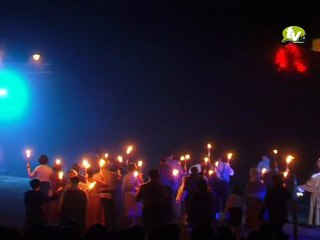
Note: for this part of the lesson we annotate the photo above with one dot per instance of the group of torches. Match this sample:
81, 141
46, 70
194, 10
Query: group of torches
175, 172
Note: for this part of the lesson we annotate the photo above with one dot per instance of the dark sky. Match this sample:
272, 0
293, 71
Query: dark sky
165, 76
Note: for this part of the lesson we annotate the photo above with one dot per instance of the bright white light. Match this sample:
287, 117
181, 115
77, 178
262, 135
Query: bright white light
36, 57
3, 92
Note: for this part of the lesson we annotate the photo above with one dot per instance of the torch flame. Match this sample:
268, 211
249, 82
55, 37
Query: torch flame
129, 149
182, 158
175, 172
120, 159
229, 155
216, 163
210, 172
275, 151
58, 161
264, 170
187, 156
285, 173
135, 173
28, 153
85, 163
209, 146
206, 159
140, 163
60, 175
102, 162
289, 159
106, 155
91, 185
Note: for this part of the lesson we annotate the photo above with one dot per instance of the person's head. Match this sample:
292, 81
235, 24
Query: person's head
132, 167
74, 181
265, 158
43, 159
34, 184
254, 174
154, 174
72, 173
194, 170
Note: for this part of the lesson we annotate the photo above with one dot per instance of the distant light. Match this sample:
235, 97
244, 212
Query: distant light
3, 92
275, 151
36, 57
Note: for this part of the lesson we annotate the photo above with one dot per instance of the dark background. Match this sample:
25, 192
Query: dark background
168, 77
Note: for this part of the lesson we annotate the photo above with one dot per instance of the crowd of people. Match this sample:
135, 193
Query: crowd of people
199, 197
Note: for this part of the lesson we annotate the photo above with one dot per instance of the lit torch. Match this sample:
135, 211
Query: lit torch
120, 159
106, 155
264, 170
135, 174
140, 163
187, 156
91, 185
102, 162
229, 156
209, 146
28, 153
206, 160
129, 149
175, 172
210, 172
60, 175
289, 160
58, 161
85, 164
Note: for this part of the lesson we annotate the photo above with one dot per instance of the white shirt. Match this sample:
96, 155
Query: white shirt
43, 173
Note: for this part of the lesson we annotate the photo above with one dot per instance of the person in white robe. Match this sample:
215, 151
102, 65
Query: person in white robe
313, 186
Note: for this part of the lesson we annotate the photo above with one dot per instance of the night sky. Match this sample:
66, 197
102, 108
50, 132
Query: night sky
167, 77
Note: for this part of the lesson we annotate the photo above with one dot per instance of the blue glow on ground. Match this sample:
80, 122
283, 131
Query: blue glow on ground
13, 96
